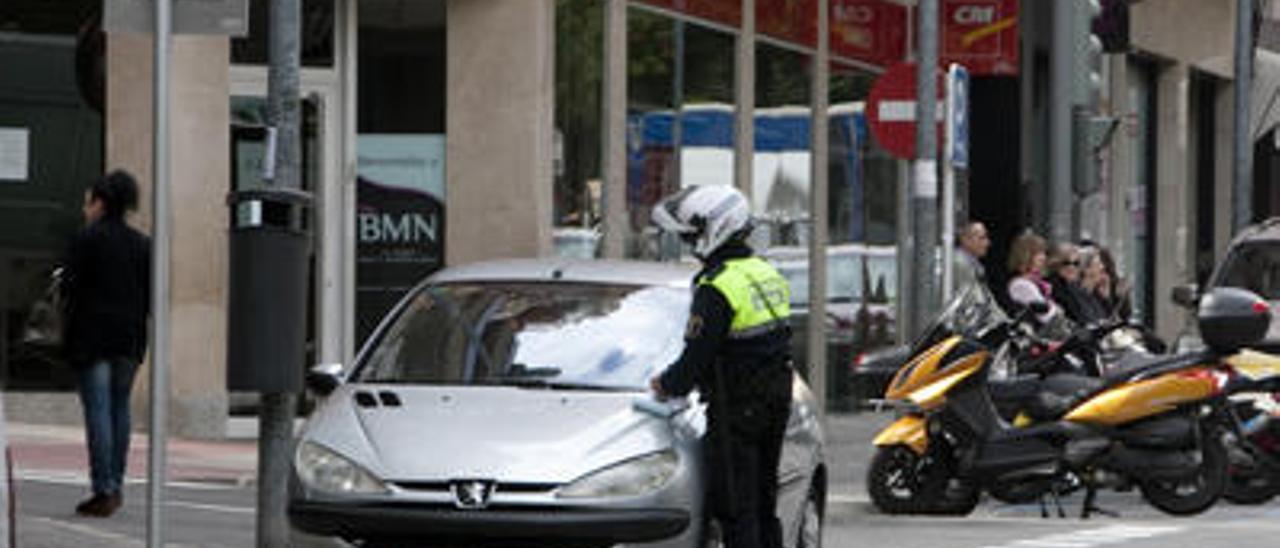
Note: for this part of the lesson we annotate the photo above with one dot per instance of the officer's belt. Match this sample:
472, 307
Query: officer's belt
758, 330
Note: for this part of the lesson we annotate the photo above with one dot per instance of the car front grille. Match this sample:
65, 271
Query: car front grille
500, 487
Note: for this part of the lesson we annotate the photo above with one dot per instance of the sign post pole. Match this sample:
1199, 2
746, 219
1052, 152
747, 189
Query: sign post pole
159, 279
957, 157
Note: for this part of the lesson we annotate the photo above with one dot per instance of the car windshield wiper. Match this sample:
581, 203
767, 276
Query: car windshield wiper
520, 370
548, 384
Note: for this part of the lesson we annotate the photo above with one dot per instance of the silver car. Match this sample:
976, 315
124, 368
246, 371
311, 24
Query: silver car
505, 404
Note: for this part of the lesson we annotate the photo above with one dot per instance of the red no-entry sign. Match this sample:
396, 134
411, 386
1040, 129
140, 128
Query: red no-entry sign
891, 109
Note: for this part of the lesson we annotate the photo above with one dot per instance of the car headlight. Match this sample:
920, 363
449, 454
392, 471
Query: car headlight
629, 478
322, 469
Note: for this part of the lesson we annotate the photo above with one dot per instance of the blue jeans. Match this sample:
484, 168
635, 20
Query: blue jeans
104, 393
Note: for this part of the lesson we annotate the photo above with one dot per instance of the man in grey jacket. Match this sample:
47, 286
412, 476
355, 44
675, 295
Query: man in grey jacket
972, 243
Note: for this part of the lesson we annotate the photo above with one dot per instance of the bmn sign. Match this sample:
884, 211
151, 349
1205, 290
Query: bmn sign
229, 17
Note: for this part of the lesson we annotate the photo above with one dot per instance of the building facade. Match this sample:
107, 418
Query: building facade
442, 132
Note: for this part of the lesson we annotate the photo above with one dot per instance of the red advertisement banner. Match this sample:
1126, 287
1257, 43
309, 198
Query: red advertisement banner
794, 21
871, 31
982, 35
717, 11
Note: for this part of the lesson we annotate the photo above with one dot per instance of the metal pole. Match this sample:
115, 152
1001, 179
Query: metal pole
159, 280
817, 341
924, 186
614, 141
905, 306
677, 104
1060, 161
948, 192
276, 409
1242, 167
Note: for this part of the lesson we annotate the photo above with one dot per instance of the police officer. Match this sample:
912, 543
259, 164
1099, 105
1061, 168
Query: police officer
737, 353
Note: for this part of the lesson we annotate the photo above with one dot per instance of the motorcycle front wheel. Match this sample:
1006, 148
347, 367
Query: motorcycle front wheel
900, 481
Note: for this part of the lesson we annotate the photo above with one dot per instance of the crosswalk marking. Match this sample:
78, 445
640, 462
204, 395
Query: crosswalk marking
1090, 538
94, 533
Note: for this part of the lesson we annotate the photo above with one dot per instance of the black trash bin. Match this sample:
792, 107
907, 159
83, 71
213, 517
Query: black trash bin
266, 317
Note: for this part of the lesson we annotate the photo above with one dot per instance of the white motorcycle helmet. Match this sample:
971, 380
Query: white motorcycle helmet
705, 217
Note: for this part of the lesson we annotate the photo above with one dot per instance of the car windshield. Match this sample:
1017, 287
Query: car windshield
1254, 267
558, 335
970, 314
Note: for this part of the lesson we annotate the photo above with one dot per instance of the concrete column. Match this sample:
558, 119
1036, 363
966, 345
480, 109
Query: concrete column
499, 110
744, 135
614, 138
1223, 154
200, 174
1174, 189
1119, 165
818, 136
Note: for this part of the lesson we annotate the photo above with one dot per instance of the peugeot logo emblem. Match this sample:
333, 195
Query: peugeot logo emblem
471, 494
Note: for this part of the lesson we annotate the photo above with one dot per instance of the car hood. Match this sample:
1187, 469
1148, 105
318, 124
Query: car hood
509, 434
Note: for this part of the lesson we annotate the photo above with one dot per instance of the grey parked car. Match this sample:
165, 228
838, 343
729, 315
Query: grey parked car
505, 404
1252, 262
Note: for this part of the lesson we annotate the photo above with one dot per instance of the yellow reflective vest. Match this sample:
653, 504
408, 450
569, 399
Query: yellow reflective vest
757, 293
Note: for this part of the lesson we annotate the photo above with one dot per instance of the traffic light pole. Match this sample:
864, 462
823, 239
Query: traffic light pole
276, 408
1061, 56
924, 184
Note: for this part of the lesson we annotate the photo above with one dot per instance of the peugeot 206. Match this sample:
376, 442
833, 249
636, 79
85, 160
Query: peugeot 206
506, 404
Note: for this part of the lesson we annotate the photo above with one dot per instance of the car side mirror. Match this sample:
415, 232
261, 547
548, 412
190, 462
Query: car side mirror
324, 378
1186, 296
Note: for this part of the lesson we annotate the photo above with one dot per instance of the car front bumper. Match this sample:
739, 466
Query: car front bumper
508, 526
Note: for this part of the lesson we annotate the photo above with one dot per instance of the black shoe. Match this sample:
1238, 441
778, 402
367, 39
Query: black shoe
100, 505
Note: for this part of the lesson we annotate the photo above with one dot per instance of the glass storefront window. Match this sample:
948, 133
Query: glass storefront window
863, 194
847, 136
400, 149
680, 115
317, 34
781, 166
43, 110
707, 110
579, 80
651, 99
723, 12
864, 178
792, 21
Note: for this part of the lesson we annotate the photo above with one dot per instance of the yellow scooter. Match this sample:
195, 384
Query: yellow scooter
1160, 426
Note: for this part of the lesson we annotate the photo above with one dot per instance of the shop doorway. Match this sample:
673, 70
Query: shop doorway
51, 149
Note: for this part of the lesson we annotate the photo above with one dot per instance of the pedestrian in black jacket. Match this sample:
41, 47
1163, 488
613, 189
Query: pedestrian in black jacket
106, 285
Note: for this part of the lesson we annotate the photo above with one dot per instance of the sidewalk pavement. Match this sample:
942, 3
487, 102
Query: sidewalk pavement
58, 452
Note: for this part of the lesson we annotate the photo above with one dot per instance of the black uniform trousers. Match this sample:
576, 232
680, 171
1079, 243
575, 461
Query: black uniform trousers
743, 448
